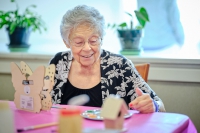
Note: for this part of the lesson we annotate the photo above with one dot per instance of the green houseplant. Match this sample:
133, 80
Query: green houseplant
19, 26
130, 36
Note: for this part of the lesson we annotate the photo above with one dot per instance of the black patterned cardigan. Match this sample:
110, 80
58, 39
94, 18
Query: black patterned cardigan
118, 76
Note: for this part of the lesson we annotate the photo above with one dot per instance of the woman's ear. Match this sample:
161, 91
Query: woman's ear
67, 45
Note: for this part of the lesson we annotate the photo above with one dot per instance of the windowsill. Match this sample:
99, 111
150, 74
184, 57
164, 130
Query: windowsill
167, 65
47, 51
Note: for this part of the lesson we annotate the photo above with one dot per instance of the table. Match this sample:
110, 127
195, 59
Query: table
158, 122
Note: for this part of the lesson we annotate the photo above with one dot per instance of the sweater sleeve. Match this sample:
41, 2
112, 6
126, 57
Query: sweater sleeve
58, 82
54, 60
134, 80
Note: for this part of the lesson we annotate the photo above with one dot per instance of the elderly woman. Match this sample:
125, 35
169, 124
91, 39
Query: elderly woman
88, 69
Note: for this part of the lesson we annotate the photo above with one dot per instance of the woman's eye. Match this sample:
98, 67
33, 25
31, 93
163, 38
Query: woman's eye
79, 42
92, 41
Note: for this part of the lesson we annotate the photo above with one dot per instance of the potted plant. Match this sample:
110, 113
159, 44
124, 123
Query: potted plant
19, 26
130, 36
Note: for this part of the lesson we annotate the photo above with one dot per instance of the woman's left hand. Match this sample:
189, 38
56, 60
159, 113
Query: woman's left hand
143, 103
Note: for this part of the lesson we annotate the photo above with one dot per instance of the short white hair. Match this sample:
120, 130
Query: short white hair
79, 15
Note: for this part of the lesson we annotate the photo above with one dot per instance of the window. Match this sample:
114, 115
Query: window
172, 23
190, 18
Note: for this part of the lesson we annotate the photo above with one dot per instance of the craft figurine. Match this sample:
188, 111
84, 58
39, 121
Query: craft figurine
32, 88
48, 86
28, 88
113, 110
48, 83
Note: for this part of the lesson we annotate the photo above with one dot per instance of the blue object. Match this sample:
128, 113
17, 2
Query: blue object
156, 105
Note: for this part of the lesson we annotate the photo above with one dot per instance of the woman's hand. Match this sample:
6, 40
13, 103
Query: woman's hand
143, 103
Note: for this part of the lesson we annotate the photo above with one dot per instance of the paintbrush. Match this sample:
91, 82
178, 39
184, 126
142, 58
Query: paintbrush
37, 126
79, 100
58, 107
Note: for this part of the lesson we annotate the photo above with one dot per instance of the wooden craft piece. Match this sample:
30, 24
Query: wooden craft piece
113, 110
26, 70
6, 118
28, 89
48, 86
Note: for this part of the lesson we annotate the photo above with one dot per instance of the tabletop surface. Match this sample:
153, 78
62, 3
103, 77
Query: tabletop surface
153, 122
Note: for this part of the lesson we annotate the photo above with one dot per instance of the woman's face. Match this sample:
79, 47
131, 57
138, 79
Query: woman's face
87, 54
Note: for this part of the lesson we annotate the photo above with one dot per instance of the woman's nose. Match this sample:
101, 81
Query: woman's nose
87, 46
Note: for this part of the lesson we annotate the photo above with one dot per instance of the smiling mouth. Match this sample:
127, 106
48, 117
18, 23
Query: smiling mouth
87, 56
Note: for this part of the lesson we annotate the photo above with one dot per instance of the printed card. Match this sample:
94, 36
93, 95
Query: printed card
26, 102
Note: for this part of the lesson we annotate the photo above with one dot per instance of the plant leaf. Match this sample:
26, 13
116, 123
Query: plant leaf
129, 14
122, 25
139, 27
12, 27
113, 26
16, 13
34, 6
144, 13
108, 25
28, 18
142, 20
1, 12
142, 16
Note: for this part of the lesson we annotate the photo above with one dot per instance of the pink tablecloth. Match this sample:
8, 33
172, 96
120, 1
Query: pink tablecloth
138, 123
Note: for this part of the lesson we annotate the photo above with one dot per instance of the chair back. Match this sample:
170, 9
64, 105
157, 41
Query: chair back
143, 70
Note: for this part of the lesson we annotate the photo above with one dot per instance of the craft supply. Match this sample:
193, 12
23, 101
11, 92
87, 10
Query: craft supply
57, 107
37, 126
96, 115
95, 130
79, 100
90, 111
6, 118
70, 120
